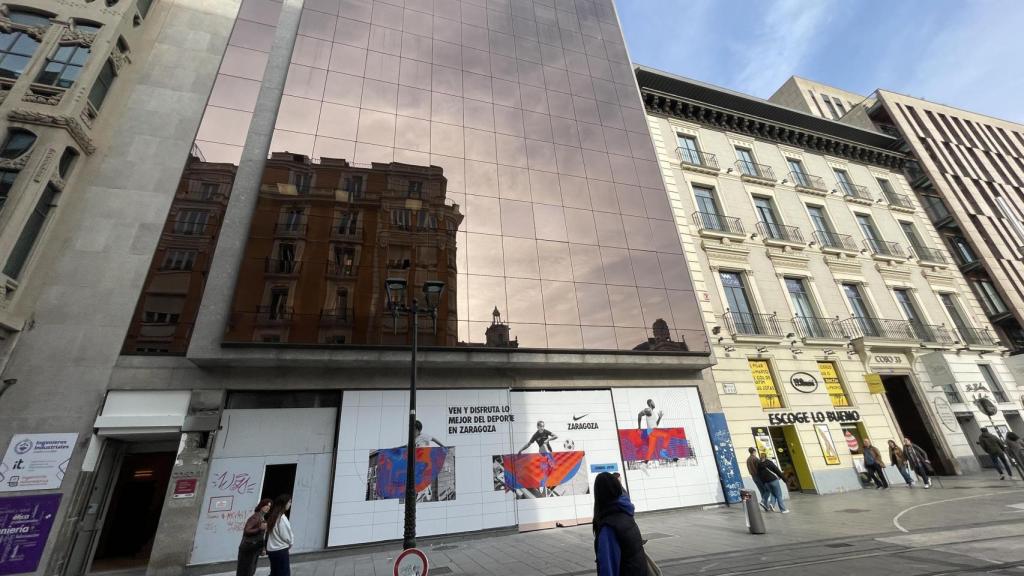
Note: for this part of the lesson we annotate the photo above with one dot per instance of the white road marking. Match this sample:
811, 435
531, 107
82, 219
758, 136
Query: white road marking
896, 519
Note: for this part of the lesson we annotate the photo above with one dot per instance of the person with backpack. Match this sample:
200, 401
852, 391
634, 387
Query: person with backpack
618, 544
874, 464
254, 535
280, 536
770, 474
918, 461
899, 459
996, 450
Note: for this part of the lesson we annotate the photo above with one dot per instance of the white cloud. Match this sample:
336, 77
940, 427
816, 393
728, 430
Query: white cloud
780, 43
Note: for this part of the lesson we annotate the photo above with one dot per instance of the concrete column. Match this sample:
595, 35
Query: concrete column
215, 309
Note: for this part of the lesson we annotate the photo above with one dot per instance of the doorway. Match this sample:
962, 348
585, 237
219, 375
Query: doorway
912, 423
791, 459
133, 512
278, 479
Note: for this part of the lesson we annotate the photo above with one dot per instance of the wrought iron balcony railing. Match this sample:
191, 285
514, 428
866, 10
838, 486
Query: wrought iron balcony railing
291, 227
340, 268
697, 158
977, 337
755, 170
781, 233
274, 313
897, 200
281, 266
898, 330
819, 328
926, 254
334, 316
750, 324
717, 223
855, 191
807, 181
835, 241
884, 248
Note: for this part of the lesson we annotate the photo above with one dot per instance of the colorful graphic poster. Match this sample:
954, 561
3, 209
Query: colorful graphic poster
36, 461
25, 523
666, 448
434, 474
559, 429
541, 475
457, 436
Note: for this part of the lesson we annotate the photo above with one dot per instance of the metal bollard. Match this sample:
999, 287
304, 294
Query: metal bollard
752, 512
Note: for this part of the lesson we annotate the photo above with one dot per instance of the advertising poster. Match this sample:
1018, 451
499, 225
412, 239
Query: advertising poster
557, 436
763, 442
36, 461
25, 523
764, 382
666, 449
828, 446
458, 434
833, 384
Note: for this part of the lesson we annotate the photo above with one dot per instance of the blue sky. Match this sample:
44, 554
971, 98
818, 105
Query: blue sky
964, 53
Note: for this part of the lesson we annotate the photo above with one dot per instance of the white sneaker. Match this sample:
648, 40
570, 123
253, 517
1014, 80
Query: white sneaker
927, 486
785, 511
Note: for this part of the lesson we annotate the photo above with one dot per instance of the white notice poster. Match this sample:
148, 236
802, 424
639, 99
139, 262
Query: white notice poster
36, 461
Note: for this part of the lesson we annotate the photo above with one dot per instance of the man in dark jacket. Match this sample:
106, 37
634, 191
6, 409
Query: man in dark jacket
752, 463
917, 459
874, 464
996, 450
769, 473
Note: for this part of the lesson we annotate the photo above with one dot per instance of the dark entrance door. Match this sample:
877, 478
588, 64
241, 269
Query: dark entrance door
278, 479
906, 410
134, 511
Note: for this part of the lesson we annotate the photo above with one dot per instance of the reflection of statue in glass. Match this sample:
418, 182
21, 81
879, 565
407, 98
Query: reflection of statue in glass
662, 340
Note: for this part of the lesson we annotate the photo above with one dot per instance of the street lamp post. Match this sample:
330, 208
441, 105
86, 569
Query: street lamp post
396, 295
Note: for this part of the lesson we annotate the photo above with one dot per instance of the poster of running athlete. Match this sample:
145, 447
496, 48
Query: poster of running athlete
666, 449
457, 432
559, 437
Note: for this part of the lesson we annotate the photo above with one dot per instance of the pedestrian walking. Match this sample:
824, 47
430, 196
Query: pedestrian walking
996, 450
618, 546
279, 536
254, 536
898, 459
771, 475
752, 463
918, 461
1015, 450
874, 464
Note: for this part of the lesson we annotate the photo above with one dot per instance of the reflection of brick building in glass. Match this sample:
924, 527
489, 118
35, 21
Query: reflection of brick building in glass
325, 237
167, 308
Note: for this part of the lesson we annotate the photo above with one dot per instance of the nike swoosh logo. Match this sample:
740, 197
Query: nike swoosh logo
575, 417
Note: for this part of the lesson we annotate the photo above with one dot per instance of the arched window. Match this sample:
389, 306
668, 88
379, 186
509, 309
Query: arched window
17, 46
17, 143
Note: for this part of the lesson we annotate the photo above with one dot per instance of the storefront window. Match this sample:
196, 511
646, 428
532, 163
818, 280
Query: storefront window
767, 390
854, 435
834, 385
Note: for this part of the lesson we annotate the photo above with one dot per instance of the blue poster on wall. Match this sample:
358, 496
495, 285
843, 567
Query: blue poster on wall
725, 456
24, 527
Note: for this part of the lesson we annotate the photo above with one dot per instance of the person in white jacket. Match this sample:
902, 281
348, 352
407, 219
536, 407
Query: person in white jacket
279, 536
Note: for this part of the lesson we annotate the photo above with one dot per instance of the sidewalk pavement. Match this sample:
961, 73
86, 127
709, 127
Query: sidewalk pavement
677, 535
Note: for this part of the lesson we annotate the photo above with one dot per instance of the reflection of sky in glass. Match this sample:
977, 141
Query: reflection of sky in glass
532, 112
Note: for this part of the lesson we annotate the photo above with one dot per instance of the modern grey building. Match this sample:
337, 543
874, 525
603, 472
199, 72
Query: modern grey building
507, 136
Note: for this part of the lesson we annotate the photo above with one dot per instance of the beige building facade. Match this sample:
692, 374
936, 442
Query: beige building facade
815, 268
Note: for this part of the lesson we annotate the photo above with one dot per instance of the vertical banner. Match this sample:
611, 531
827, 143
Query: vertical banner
828, 445
833, 384
665, 447
25, 523
761, 372
458, 434
875, 385
763, 442
725, 456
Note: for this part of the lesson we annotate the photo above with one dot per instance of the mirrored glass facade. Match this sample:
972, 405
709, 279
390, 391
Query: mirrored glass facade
499, 147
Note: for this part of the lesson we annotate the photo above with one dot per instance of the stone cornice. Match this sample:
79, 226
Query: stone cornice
73, 127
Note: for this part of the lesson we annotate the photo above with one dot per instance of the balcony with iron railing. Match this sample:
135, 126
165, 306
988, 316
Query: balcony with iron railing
780, 234
884, 250
284, 267
897, 330
979, 338
334, 316
274, 314
751, 324
930, 255
856, 193
760, 173
697, 160
835, 242
291, 228
808, 183
813, 328
711, 224
899, 201
343, 269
